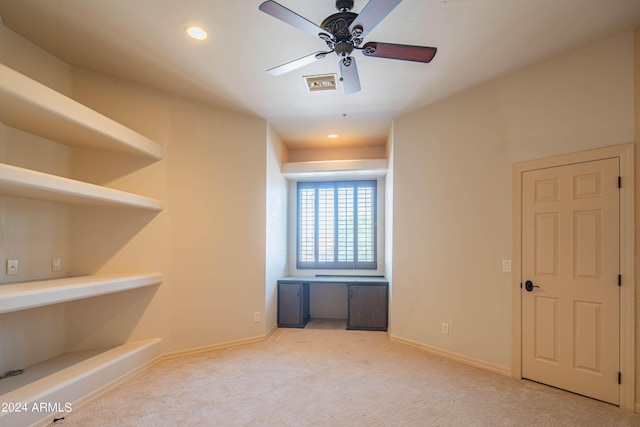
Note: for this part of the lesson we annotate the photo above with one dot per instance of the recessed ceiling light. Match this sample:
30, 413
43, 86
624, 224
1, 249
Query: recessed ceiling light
196, 33
332, 136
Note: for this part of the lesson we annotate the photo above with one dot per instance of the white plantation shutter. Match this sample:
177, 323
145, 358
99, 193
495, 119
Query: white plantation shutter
366, 224
337, 225
306, 225
326, 214
345, 224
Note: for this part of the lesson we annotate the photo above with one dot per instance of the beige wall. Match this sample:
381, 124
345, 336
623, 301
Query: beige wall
388, 220
637, 200
217, 201
209, 242
276, 222
452, 188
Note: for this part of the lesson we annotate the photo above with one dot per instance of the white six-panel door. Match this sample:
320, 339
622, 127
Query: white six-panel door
570, 255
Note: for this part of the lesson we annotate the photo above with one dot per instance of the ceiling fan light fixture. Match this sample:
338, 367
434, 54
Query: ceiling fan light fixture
332, 136
196, 33
321, 83
343, 32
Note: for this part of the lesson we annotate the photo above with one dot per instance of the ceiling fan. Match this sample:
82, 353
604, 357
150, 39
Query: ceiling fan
344, 32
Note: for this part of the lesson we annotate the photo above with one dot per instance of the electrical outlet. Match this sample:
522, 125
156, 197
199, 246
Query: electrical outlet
256, 317
56, 264
12, 266
445, 328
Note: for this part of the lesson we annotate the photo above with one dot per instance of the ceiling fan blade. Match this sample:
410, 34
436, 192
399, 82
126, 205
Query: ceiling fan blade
399, 51
349, 75
371, 16
282, 13
297, 63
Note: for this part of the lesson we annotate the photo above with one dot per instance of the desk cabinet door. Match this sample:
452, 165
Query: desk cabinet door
293, 304
368, 307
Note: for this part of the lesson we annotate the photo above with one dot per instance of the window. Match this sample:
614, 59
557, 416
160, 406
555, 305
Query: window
336, 225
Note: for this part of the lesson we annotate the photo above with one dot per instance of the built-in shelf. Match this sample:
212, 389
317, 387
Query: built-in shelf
26, 183
336, 169
69, 377
30, 106
25, 295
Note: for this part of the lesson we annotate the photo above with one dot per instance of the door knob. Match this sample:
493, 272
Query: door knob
528, 285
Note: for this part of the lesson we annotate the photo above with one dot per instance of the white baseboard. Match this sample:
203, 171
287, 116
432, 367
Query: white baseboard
498, 369
220, 346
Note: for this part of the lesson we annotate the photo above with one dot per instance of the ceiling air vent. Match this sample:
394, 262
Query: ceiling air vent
321, 83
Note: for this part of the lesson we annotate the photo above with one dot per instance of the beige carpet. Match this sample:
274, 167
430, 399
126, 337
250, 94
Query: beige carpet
320, 323
318, 377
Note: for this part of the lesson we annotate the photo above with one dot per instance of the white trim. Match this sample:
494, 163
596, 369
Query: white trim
461, 358
220, 346
335, 169
204, 349
627, 255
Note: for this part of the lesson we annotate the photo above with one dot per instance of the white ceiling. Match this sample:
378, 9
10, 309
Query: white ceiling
477, 40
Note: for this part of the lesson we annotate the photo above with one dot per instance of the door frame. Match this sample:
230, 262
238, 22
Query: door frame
625, 154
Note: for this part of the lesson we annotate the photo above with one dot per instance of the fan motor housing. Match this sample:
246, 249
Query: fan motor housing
338, 24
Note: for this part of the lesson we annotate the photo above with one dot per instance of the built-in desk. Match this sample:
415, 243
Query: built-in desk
367, 305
